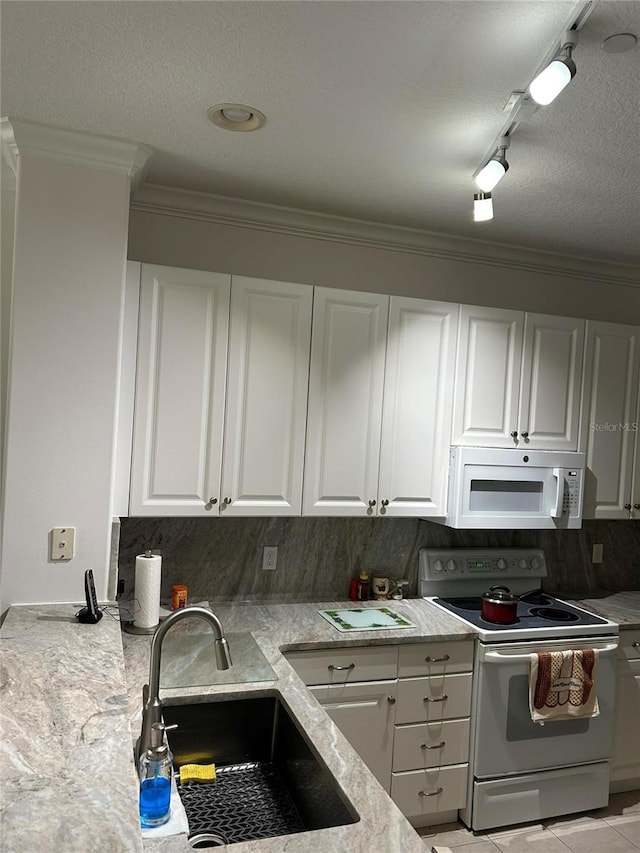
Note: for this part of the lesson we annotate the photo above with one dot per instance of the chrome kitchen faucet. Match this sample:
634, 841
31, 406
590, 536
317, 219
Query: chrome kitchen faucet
152, 706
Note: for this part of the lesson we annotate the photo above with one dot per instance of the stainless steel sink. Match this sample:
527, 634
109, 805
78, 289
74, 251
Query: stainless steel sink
270, 781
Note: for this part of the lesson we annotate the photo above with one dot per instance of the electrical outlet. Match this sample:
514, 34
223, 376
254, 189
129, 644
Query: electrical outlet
597, 553
62, 543
269, 559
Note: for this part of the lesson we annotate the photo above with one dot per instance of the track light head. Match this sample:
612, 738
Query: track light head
548, 84
482, 207
495, 169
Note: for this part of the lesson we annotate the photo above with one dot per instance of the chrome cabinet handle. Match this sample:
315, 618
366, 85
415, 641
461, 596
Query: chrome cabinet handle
372, 503
636, 506
525, 435
391, 700
226, 501
383, 506
627, 506
442, 698
429, 659
333, 666
430, 793
435, 746
213, 501
514, 434
636, 645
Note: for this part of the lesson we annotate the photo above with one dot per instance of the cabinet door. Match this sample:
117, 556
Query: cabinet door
549, 415
180, 389
345, 402
487, 376
418, 397
364, 713
268, 375
607, 433
625, 756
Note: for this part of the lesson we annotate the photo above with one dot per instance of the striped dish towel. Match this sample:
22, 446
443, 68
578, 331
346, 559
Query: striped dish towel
562, 685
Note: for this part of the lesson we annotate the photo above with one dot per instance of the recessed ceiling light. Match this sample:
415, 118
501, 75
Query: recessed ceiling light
619, 43
236, 117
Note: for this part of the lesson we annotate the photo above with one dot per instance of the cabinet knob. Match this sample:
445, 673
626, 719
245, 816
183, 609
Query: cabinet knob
372, 503
213, 501
227, 501
435, 745
383, 506
627, 506
636, 506
430, 793
525, 435
636, 645
442, 698
391, 700
429, 659
514, 434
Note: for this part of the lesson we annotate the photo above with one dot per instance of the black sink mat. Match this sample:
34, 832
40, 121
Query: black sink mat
245, 802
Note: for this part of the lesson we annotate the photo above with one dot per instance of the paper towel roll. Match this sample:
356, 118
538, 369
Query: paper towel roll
146, 612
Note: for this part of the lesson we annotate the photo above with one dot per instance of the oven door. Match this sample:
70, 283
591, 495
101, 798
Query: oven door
507, 741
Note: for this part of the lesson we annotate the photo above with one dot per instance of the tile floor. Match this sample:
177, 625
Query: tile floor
614, 829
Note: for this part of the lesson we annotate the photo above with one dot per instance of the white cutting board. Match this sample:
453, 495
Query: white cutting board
365, 619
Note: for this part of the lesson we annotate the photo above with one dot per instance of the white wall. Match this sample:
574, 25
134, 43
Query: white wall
267, 253
70, 248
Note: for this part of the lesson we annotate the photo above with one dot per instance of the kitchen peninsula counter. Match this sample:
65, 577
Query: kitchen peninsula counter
71, 702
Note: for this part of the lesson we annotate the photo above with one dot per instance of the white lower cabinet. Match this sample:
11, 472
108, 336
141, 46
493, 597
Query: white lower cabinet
364, 713
625, 758
405, 709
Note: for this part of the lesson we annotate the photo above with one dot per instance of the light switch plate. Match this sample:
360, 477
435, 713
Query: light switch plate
62, 543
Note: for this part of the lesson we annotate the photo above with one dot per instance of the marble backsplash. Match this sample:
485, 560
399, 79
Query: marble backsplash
221, 559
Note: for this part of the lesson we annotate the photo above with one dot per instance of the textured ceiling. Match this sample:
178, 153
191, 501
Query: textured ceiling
379, 111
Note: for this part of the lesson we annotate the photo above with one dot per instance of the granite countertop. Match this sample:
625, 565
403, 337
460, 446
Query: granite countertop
620, 607
71, 703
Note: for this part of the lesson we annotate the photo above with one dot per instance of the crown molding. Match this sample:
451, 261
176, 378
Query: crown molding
21, 138
189, 204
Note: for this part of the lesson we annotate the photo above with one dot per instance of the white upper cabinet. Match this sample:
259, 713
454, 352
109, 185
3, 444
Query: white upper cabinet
487, 376
345, 402
180, 391
220, 359
379, 405
609, 430
518, 379
266, 404
418, 396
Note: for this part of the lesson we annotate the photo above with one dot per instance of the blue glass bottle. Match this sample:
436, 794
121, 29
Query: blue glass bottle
156, 769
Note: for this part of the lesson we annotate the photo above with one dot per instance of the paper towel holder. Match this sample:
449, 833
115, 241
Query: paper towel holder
130, 627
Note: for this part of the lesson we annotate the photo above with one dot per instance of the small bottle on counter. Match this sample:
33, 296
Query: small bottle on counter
353, 589
363, 586
156, 770
179, 594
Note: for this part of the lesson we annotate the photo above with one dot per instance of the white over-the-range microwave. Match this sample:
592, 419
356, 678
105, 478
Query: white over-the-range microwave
525, 489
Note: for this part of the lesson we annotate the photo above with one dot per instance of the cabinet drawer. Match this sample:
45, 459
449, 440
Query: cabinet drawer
629, 648
423, 792
434, 658
436, 698
431, 745
337, 666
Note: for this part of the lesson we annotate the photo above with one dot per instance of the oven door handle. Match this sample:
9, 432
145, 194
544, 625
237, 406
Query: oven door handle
498, 657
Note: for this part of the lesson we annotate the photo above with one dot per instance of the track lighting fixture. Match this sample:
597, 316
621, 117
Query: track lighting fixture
494, 170
482, 207
548, 84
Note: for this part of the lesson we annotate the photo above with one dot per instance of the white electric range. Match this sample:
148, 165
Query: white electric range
519, 770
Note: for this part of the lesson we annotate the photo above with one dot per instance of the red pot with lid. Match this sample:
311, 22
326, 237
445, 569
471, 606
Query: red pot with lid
499, 605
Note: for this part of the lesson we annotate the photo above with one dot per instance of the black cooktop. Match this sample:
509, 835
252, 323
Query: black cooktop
534, 610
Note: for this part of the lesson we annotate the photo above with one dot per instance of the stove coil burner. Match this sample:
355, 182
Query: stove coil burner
554, 614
